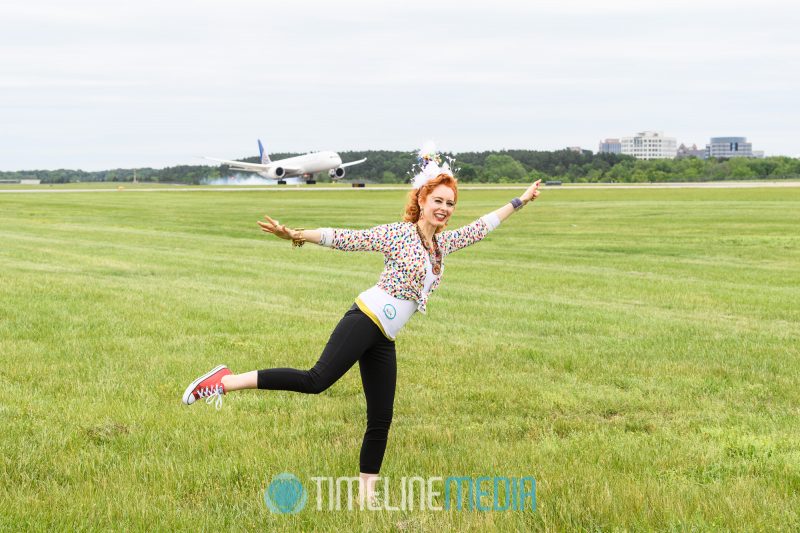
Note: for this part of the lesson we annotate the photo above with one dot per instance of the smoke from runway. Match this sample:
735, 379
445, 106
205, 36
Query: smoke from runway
248, 179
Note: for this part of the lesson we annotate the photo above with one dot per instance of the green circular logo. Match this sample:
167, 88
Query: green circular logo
389, 311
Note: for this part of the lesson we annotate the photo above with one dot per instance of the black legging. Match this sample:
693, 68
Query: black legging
355, 338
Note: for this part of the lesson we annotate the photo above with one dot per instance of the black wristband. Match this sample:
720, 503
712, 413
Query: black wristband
517, 203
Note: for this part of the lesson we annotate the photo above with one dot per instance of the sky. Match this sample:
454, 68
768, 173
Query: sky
95, 84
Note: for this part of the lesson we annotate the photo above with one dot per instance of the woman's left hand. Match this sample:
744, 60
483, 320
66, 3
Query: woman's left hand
532, 193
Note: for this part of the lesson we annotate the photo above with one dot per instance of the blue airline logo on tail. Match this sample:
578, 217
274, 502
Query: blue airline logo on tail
264, 156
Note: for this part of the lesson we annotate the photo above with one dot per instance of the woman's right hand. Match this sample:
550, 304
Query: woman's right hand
279, 230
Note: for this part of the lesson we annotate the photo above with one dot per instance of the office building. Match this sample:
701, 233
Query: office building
694, 151
610, 146
650, 145
729, 147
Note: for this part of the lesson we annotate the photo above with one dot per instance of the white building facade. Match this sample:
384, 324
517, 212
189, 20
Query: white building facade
650, 145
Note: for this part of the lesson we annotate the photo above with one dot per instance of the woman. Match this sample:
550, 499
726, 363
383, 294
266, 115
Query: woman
414, 252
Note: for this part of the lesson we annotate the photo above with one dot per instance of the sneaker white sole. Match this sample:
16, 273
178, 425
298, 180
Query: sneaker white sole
188, 398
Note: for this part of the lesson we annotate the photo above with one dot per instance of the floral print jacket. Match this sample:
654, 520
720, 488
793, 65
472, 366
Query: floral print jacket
405, 263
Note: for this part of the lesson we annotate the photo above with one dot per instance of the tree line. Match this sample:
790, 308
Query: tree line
505, 166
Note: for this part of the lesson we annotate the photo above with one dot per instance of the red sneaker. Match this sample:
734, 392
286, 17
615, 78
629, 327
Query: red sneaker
208, 386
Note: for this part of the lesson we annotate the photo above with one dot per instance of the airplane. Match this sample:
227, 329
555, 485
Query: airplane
304, 166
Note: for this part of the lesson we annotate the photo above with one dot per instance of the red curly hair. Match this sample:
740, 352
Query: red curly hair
418, 196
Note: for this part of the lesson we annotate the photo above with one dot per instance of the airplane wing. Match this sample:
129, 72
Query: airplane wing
252, 167
351, 163
241, 165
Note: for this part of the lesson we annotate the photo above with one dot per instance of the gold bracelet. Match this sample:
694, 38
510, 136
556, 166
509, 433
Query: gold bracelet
298, 241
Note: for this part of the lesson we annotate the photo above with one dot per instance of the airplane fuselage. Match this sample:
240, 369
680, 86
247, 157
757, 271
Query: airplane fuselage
305, 164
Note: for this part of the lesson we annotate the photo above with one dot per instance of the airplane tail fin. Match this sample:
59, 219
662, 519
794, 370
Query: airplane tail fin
264, 155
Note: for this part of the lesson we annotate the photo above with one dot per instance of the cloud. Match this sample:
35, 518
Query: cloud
154, 83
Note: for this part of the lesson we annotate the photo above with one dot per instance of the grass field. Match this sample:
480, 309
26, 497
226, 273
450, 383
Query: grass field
636, 351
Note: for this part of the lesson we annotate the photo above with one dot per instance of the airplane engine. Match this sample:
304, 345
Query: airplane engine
336, 173
277, 173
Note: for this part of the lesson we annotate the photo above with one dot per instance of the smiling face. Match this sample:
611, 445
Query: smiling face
437, 207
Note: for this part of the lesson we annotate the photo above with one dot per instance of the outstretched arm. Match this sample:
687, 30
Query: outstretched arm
376, 239
528, 196
280, 230
464, 236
